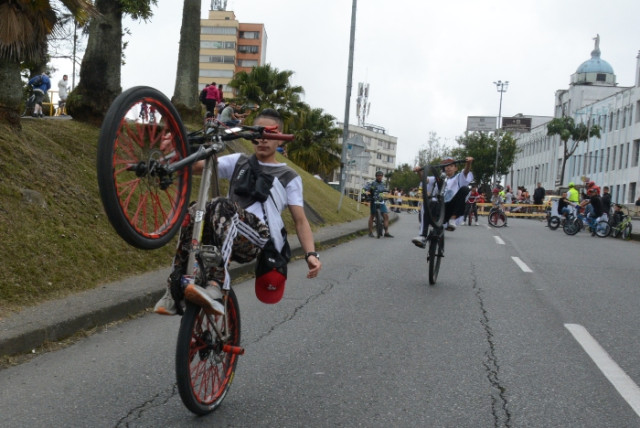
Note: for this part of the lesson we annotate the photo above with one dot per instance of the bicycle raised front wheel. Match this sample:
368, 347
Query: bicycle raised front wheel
379, 223
205, 363
144, 205
436, 249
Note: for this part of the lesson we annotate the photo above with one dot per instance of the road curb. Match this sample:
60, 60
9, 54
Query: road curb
56, 320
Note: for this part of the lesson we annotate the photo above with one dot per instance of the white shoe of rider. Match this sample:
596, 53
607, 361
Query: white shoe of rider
207, 298
419, 241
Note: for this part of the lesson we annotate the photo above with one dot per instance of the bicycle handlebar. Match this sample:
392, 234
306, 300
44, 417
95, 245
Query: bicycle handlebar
442, 165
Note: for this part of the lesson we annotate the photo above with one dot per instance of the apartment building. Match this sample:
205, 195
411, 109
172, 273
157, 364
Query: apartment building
228, 46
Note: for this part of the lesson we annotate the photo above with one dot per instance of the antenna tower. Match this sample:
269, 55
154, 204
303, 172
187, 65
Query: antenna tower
363, 104
218, 4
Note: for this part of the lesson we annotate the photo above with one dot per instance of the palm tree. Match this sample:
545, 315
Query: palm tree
566, 128
100, 70
266, 86
315, 147
24, 27
185, 96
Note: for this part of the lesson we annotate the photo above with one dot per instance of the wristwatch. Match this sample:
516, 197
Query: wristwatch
311, 253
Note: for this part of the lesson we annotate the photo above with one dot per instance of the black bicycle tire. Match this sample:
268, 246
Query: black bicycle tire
379, 223
108, 147
603, 228
553, 222
435, 246
626, 231
184, 357
494, 213
571, 227
429, 205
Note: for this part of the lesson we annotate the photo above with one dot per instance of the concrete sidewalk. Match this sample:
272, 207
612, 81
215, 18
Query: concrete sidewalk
58, 319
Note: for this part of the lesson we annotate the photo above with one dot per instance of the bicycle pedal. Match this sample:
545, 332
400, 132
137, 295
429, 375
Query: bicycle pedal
235, 350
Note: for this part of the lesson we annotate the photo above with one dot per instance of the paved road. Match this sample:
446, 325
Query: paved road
370, 344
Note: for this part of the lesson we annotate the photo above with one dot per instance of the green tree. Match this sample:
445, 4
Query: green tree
185, 95
266, 86
432, 151
315, 147
24, 27
404, 178
567, 129
101, 65
482, 148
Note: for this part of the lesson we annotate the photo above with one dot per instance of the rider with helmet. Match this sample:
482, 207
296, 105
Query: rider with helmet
373, 191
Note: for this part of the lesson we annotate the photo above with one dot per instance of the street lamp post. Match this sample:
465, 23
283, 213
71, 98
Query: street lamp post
502, 88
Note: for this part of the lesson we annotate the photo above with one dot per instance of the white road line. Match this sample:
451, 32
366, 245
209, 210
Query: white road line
627, 388
498, 240
521, 264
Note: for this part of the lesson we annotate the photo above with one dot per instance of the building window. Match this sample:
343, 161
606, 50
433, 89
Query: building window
606, 163
626, 160
601, 159
218, 59
613, 160
610, 121
601, 77
247, 63
248, 49
215, 44
621, 156
624, 118
218, 30
636, 152
249, 35
216, 73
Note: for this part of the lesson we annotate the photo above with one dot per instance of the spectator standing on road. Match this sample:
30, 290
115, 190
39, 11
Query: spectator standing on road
539, 194
63, 92
40, 84
606, 200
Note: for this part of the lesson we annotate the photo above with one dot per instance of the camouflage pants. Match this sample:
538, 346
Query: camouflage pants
238, 234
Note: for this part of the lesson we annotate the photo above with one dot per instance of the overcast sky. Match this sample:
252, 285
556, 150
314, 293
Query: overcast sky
429, 64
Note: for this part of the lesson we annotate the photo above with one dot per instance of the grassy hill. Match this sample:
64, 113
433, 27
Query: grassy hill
55, 237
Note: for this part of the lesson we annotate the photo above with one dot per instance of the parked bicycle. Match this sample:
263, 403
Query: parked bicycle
433, 215
621, 223
145, 190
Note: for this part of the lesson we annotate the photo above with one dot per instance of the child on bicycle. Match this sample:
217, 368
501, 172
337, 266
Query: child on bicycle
471, 207
456, 189
256, 223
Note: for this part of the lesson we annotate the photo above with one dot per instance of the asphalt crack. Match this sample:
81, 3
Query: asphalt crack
499, 403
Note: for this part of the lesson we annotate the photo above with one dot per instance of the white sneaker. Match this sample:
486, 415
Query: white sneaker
166, 305
476, 223
419, 241
459, 221
207, 298
451, 227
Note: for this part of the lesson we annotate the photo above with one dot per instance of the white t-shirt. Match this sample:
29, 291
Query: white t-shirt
452, 185
282, 196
